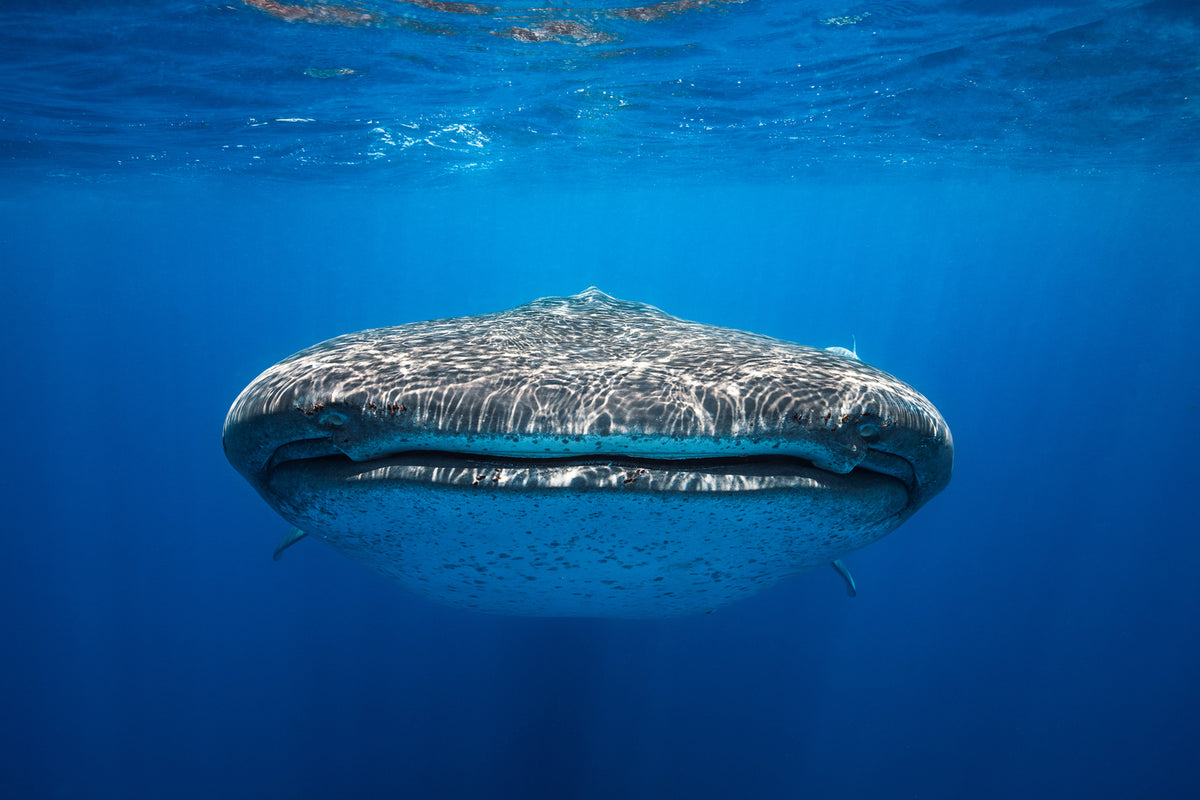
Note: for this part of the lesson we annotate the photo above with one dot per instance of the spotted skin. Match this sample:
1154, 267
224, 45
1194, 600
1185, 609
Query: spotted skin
586, 456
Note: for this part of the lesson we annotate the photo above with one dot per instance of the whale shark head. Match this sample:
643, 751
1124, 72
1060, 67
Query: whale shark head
586, 456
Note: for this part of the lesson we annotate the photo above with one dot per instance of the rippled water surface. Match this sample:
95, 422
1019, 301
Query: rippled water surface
413, 90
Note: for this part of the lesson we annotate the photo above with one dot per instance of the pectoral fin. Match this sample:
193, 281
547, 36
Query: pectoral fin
841, 570
293, 536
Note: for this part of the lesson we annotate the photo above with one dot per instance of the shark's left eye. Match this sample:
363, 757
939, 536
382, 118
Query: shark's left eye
331, 419
868, 430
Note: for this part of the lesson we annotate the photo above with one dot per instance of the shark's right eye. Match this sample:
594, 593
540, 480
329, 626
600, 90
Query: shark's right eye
868, 430
331, 419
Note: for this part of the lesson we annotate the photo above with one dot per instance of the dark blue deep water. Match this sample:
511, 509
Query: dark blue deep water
996, 200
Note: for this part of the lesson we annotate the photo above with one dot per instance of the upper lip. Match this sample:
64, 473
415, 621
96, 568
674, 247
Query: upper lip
917, 452
876, 461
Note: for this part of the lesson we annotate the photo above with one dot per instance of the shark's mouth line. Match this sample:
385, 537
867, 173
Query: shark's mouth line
593, 471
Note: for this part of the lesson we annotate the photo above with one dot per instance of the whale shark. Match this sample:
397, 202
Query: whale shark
586, 456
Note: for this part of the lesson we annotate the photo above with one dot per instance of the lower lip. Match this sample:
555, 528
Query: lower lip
449, 470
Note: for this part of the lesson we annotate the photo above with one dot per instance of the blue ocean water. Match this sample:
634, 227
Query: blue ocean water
995, 201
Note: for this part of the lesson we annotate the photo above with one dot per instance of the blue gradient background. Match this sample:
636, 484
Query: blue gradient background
1033, 632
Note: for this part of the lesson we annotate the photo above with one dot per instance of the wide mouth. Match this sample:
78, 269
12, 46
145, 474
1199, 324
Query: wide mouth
318, 460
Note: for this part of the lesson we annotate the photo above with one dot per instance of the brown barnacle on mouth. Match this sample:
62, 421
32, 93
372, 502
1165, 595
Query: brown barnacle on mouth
310, 410
804, 419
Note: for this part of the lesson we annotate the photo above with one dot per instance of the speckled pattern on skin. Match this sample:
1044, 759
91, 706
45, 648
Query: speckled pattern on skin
366, 441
